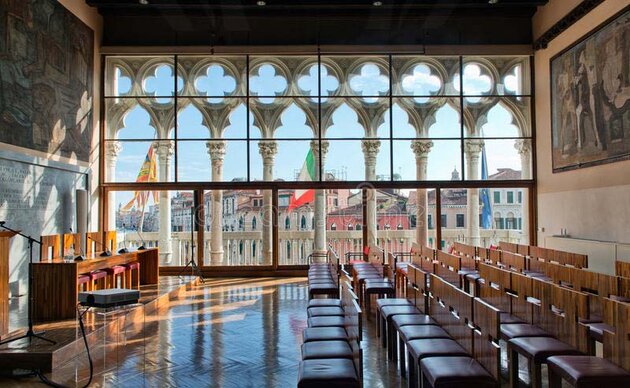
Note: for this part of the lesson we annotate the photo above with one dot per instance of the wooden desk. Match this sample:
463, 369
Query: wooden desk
55, 288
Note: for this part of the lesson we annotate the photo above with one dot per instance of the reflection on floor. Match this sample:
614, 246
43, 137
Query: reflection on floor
224, 333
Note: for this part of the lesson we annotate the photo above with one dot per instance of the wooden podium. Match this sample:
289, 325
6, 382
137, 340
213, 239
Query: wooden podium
5, 242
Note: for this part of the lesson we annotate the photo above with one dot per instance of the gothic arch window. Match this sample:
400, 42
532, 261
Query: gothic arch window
333, 226
288, 250
254, 223
287, 223
241, 223
303, 223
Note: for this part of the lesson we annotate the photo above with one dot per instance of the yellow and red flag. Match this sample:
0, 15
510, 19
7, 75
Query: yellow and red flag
147, 173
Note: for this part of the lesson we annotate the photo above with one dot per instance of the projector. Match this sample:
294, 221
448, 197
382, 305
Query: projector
109, 298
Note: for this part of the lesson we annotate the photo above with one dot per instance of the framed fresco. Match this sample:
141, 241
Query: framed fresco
590, 98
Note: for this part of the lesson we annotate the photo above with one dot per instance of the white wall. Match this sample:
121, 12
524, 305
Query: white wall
591, 203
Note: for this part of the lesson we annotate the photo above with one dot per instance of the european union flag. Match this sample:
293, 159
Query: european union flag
484, 198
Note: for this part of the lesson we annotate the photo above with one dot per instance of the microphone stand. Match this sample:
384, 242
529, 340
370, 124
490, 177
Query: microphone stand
124, 248
141, 247
30, 334
193, 265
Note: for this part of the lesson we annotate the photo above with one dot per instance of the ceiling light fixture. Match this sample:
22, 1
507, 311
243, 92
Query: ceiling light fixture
377, 3
143, 2
261, 3
493, 1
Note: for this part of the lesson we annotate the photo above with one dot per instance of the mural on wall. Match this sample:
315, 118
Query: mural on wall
590, 98
46, 73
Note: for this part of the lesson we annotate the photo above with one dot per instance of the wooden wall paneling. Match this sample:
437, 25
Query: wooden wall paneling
486, 320
50, 248
5, 244
55, 291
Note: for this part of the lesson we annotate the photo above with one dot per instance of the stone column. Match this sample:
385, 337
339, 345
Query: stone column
370, 151
320, 200
421, 149
473, 155
112, 149
268, 150
164, 150
216, 149
524, 148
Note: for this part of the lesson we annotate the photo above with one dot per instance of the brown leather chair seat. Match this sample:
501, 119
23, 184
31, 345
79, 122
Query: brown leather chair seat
588, 371
326, 349
540, 348
379, 288
507, 318
518, 330
452, 372
392, 302
399, 321
326, 322
596, 330
325, 312
409, 333
435, 347
324, 334
389, 311
324, 303
327, 280
329, 373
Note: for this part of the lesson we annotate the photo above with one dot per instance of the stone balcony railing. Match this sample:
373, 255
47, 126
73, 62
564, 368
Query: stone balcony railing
245, 247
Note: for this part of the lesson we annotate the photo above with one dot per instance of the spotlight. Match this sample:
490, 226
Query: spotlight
261, 3
493, 1
143, 2
377, 3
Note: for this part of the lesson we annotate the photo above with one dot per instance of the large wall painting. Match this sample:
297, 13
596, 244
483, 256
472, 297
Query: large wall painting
590, 98
46, 75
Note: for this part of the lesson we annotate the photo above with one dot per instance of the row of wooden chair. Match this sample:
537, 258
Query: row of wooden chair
455, 270
331, 349
577, 260
323, 278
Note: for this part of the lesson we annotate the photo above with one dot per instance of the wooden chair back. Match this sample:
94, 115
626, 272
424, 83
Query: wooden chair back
451, 307
622, 268
624, 287
423, 257
521, 297
376, 255
561, 308
447, 267
573, 259
461, 249
486, 335
617, 344
496, 284
71, 244
419, 287
50, 248
513, 261
544, 254
507, 246
110, 240
493, 256
389, 268
94, 243
522, 249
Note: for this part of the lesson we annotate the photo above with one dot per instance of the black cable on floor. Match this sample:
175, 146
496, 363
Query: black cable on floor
51, 383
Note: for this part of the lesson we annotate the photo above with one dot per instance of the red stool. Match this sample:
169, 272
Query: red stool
83, 281
100, 277
113, 273
135, 280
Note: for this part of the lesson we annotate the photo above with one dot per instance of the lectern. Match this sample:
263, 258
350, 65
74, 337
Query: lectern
5, 243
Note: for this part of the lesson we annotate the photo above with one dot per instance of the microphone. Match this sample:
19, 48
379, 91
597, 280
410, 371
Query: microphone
80, 256
106, 252
124, 248
2, 223
141, 247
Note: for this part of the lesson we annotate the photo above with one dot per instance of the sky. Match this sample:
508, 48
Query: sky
343, 155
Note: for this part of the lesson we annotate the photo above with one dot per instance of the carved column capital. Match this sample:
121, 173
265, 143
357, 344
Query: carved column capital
216, 150
523, 146
164, 148
112, 149
370, 149
473, 147
421, 148
268, 150
316, 149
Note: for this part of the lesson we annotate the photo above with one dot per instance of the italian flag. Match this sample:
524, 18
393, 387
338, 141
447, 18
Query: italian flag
301, 197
